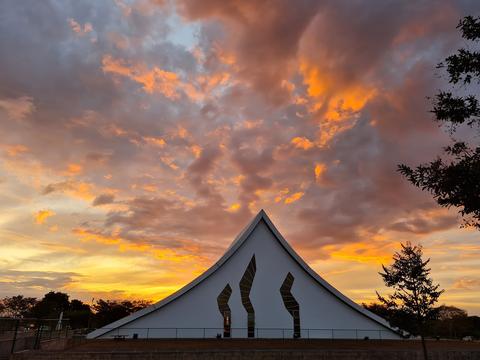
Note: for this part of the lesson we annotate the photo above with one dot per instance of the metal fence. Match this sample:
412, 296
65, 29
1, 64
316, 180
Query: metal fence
27, 333
260, 333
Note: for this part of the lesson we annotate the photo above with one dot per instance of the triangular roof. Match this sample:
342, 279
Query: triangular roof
236, 244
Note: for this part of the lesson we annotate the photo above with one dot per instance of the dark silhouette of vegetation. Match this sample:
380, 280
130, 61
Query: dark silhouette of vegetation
17, 306
51, 305
108, 311
414, 293
79, 314
454, 180
450, 322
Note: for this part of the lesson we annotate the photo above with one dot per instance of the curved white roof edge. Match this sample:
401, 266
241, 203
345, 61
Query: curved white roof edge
239, 240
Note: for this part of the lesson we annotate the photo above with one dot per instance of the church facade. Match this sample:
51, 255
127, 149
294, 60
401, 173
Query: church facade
260, 288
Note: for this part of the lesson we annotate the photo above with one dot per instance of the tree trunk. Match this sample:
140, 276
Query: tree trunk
424, 346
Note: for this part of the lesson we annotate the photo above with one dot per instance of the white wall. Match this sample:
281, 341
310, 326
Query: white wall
198, 309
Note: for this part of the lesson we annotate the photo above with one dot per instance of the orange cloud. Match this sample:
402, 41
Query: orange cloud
73, 169
349, 101
113, 130
150, 188
81, 190
196, 150
317, 85
281, 194
234, 207
209, 83
302, 143
155, 80
171, 255
225, 57
467, 284
319, 171
170, 84
252, 124
182, 132
169, 161
338, 102
294, 197
184, 254
42, 215
155, 141
377, 251
14, 150
86, 235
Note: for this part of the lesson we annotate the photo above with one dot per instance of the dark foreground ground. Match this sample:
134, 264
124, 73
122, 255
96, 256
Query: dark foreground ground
257, 350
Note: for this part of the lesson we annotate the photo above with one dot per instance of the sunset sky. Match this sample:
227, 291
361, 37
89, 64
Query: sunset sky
139, 137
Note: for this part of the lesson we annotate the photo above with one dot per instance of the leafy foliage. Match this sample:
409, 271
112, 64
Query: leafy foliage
17, 306
395, 316
51, 305
109, 311
414, 293
79, 314
455, 179
450, 322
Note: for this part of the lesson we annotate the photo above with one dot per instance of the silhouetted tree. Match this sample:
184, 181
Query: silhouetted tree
396, 317
17, 306
454, 180
51, 305
108, 311
413, 290
78, 314
449, 322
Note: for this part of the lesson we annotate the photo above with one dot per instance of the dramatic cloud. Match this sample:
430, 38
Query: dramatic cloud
143, 135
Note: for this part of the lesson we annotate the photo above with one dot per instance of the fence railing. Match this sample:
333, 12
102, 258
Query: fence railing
28, 333
260, 333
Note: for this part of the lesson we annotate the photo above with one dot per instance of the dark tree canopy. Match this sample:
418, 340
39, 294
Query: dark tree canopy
454, 179
17, 306
109, 311
78, 314
413, 290
51, 305
414, 293
450, 321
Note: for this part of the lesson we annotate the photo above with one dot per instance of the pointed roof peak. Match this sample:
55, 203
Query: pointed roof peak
236, 244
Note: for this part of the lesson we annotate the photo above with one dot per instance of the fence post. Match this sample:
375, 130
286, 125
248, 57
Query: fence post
36, 345
356, 334
148, 330
204, 333
17, 323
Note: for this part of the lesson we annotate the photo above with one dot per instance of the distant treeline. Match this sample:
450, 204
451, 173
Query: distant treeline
448, 322
79, 314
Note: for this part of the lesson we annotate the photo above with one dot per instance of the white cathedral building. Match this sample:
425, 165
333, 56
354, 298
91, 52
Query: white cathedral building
260, 288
